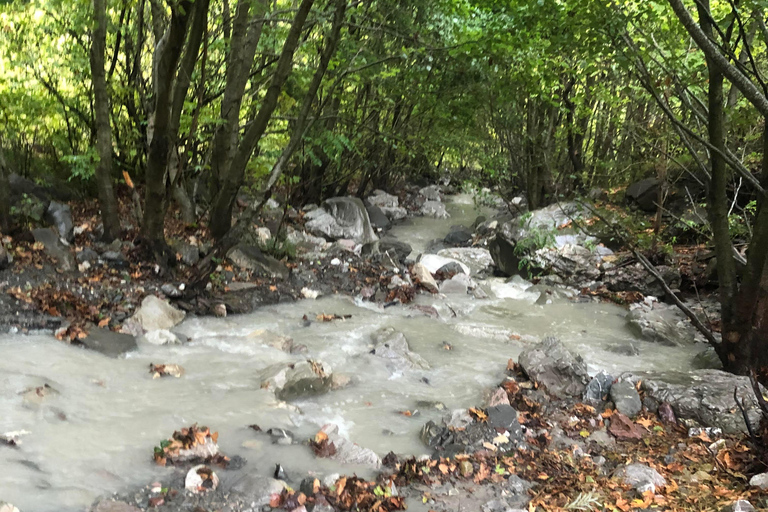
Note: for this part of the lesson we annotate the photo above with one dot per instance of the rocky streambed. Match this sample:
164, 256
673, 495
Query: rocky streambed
372, 374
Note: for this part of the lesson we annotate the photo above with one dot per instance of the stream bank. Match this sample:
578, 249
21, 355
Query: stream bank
399, 365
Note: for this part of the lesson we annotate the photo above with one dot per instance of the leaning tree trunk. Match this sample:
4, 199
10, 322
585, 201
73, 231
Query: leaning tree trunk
107, 202
233, 174
167, 54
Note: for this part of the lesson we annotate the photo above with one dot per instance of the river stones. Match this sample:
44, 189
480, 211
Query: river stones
305, 378
156, 313
341, 217
705, 396
392, 346
560, 370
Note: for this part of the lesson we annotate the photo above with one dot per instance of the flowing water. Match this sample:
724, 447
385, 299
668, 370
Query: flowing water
95, 436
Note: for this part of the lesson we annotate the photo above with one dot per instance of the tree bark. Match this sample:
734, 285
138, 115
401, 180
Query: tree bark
232, 176
106, 192
5, 196
167, 54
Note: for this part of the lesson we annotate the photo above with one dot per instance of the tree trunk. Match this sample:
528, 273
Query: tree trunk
231, 176
167, 54
107, 202
5, 196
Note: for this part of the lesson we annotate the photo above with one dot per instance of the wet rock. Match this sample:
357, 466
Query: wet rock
392, 346
257, 490
109, 343
155, 313
348, 452
574, 263
37, 395
87, 255
625, 349
187, 253
451, 269
305, 243
739, 506
430, 193
170, 290
201, 479
477, 259
109, 506
250, 257
161, 337
636, 278
560, 370
434, 209
59, 216
760, 481
504, 417
400, 249
378, 218
341, 217
305, 378
626, 398
640, 477
459, 237
394, 213
504, 255
59, 252
644, 194
705, 396
707, 360
498, 397
454, 286
433, 263
281, 436
382, 199
271, 339
661, 324
462, 434
599, 387
666, 414
424, 277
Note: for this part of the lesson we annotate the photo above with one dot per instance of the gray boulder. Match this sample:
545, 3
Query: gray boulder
454, 286
574, 263
599, 387
341, 217
477, 259
64, 258
430, 193
348, 452
636, 278
626, 398
458, 237
560, 370
257, 490
392, 346
187, 253
382, 199
644, 194
394, 213
504, 255
250, 257
305, 378
641, 477
378, 219
59, 216
109, 343
391, 245
156, 313
705, 396
434, 209
660, 323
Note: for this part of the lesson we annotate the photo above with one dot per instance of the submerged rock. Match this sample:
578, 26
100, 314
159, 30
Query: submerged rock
560, 370
305, 378
393, 346
705, 396
109, 343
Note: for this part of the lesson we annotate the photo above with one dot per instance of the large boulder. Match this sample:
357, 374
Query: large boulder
341, 217
477, 259
574, 263
305, 378
434, 262
424, 277
382, 199
644, 194
459, 236
59, 216
54, 247
434, 209
378, 218
504, 255
660, 323
430, 193
635, 278
705, 396
155, 313
109, 343
550, 363
250, 257
392, 346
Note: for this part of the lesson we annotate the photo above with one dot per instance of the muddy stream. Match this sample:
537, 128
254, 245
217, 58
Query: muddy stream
96, 435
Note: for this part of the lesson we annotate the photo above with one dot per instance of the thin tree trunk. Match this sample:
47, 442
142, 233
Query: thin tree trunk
167, 54
232, 177
5, 196
107, 202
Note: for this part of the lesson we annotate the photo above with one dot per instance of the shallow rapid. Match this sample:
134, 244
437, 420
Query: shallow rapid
96, 435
